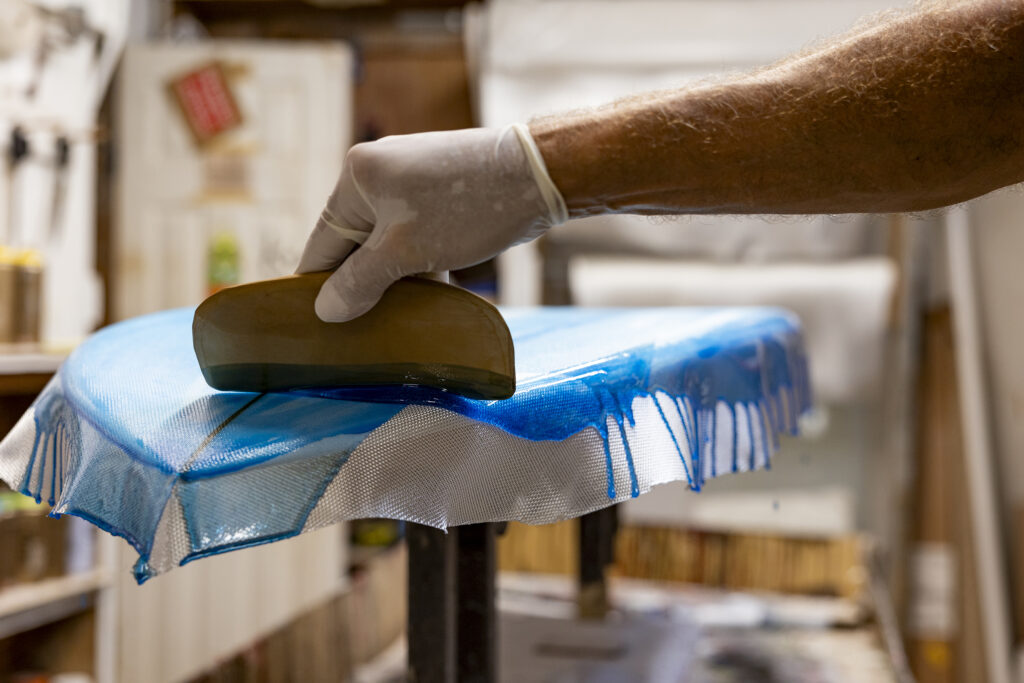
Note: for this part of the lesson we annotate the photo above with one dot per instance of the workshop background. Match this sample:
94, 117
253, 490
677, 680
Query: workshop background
156, 151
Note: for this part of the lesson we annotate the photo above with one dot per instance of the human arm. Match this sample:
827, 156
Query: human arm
909, 114
906, 114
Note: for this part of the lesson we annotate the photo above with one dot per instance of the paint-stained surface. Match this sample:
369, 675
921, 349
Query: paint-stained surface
609, 403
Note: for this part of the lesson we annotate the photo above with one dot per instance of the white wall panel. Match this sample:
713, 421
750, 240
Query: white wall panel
296, 104
68, 94
179, 624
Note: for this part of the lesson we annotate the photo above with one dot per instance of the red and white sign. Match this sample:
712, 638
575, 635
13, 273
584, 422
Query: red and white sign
204, 96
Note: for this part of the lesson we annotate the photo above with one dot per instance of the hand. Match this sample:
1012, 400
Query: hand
423, 203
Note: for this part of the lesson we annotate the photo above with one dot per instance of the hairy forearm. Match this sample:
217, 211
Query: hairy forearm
913, 113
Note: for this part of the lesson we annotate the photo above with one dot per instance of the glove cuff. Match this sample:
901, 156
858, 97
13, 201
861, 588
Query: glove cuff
552, 197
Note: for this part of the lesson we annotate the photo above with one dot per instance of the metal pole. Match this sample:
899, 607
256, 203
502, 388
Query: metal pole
476, 613
597, 551
431, 619
982, 485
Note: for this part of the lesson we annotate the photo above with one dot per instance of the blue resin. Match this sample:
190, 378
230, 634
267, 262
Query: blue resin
581, 367
130, 418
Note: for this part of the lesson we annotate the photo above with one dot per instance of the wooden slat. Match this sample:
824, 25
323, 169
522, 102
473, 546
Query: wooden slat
31, 605
832, 566
23, 384
939, 442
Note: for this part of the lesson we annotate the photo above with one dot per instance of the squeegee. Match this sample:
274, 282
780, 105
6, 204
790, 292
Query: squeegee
265, 336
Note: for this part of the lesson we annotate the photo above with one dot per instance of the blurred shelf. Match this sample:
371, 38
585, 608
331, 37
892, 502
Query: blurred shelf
423, 21
30, 363
26, 373
29, 606
361, 555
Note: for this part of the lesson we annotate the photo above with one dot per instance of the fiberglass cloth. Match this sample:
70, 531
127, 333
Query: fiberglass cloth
609, 402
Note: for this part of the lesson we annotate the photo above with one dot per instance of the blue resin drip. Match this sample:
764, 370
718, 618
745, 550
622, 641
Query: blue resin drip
577, 369
735, 442
710, 440
611, 407
690, 431
751, 439
675, 440
608, 463
634, 485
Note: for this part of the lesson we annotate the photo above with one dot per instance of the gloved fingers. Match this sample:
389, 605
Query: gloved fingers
356, 286
345, 223
328, 245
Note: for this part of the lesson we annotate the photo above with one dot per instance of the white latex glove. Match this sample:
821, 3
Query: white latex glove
423, 203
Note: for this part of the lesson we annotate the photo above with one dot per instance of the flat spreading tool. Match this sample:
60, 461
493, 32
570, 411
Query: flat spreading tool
265, 336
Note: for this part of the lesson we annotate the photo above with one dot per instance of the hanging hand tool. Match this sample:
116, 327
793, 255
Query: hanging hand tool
17, 151
61, 161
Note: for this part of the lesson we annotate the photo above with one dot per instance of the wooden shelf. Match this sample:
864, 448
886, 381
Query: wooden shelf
26, 373
29, 606
30, 363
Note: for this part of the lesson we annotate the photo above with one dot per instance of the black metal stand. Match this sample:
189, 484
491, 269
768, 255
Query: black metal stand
597, 551
476, 611
431, 619
452, 626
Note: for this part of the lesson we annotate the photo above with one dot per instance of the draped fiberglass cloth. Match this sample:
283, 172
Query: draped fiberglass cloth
609, 402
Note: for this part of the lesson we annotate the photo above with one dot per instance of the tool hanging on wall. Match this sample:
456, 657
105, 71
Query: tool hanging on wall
18, 150
61, 162
24, 234
21, 268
